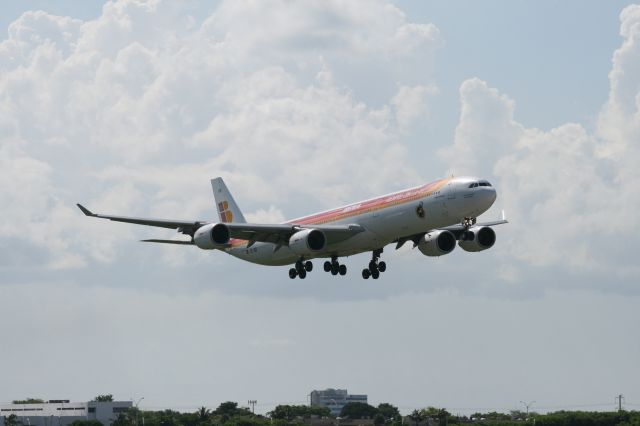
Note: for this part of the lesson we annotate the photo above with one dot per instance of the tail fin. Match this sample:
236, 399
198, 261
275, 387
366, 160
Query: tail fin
228, 210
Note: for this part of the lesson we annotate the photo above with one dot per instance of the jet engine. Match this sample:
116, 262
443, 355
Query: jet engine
437, 243
211, 236
307, 241
477, 238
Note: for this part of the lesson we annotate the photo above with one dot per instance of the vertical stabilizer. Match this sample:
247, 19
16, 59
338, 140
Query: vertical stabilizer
228, 210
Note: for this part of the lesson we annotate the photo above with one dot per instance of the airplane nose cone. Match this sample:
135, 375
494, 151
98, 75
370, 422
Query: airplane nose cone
489, 196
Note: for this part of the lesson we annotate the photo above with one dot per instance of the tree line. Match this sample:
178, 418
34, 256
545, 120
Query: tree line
385, 414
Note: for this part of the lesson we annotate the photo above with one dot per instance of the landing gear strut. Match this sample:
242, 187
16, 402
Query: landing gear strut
375, 267
335, 267
301, 268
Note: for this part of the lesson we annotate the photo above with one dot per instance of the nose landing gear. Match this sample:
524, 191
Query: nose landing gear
375, 267
467, 222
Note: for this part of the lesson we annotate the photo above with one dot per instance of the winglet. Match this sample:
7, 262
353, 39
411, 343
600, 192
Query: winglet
504, 217
85, 210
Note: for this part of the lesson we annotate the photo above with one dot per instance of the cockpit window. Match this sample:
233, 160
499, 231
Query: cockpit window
481, 183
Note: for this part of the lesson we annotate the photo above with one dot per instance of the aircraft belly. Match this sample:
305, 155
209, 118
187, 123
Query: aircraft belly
364, 241
264, 254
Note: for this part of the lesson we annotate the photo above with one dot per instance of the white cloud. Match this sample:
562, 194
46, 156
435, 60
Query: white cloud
571, 195
270, 215
486, 129
411, 103
134, 111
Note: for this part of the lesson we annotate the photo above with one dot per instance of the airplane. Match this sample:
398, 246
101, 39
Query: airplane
433, 216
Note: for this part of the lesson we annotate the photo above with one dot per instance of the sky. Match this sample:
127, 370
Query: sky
130, 107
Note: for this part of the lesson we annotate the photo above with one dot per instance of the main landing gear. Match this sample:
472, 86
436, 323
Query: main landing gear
335, 267
301, 268
375, 267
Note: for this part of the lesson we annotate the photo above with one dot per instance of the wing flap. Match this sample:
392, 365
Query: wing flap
186, 243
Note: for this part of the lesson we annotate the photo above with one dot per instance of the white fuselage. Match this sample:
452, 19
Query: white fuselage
384, 220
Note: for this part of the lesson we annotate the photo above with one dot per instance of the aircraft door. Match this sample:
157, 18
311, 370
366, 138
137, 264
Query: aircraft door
444, 197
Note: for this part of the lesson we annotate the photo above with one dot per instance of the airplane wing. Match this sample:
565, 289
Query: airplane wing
459, 228
268, 233
186, 227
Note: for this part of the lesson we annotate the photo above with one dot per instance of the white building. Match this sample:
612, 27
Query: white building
63, 412
334, 399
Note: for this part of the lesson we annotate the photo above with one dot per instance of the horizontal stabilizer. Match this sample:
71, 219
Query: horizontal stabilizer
186, 243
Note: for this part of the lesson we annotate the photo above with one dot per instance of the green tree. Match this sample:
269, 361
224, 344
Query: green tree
416, 416
11, 420
203, 414
379, 420
103, 398
290, 412
86, 423
230, 408
29, 401
122, 420
358, 410
388, 411
247, 421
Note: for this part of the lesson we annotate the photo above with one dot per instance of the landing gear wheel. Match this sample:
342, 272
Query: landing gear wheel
335, 268
375, 267
302, 274
308, 266
292, 273
327, 266
342, 269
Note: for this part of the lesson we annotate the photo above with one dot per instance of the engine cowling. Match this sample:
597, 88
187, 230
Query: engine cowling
212, 236
437, 243
307, 241
478, 238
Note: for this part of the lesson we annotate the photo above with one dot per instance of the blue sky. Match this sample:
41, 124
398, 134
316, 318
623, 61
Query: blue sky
131, 108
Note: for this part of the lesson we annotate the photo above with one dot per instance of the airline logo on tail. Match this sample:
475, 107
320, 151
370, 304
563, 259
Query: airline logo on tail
225, 214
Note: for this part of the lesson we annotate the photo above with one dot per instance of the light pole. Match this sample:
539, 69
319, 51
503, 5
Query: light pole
527, 405
137, 410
